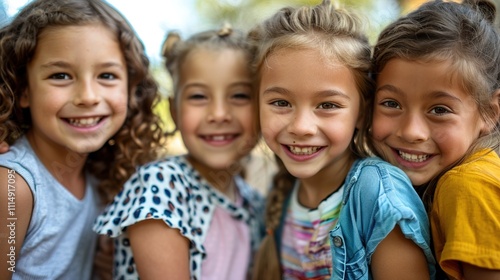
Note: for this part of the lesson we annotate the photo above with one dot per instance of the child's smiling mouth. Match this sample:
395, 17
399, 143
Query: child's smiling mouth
413, 157
303, 150
84, 122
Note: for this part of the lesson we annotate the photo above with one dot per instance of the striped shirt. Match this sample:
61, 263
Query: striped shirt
305, 250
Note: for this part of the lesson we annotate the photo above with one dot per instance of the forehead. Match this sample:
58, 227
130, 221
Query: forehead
212, 63
419, 73
66, 37
422, 81
304, 71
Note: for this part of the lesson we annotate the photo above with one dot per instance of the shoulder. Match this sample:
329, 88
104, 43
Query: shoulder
16, 199
375, 176
478, 172
384, 190
474, 180
168, 177
21, 160
171, 170
13, 186
162, 189
168, 165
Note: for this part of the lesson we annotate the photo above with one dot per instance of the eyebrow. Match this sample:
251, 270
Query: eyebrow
323, 93
62, 64
390, 88
434, 94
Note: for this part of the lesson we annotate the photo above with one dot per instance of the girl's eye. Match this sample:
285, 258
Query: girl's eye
241, 95
327, 105
391, 104
196, 96
440, 110
107, 76
60, 76
280, 103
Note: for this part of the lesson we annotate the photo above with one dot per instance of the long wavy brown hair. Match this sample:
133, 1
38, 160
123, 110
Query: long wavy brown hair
138, 140
463, 33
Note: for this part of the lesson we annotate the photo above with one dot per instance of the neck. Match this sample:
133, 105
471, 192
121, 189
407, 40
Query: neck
66, 166
315, 189
221, 179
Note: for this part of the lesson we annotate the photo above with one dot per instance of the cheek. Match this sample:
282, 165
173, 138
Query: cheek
378, 130
442, 136
266, 131
122, 107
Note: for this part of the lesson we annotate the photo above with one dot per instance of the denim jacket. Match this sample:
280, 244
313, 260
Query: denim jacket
377, 196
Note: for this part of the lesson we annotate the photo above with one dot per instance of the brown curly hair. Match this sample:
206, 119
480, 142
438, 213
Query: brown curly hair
138, 140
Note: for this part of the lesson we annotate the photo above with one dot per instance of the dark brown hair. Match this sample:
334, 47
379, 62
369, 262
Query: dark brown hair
461, 33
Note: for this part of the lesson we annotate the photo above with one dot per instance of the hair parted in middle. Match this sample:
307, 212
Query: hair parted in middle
338, 35
175, 50
463, 33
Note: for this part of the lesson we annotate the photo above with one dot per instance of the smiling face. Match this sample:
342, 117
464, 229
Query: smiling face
215, 110
309, 110
77, 89
423, 120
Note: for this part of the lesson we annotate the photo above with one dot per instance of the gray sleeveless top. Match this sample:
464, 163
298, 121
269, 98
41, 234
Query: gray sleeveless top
59, 243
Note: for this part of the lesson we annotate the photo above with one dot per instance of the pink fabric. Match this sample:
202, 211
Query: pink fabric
227, 247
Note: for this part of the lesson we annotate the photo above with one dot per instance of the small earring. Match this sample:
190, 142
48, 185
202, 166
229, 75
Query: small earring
111, 142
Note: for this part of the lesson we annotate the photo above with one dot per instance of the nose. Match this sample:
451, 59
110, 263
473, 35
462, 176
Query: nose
413, 128
302, 123
219, 111
86, 94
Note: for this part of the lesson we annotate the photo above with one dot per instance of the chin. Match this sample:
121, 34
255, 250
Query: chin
87, 149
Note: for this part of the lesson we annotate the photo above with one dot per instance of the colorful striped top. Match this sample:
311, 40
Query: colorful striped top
305, 249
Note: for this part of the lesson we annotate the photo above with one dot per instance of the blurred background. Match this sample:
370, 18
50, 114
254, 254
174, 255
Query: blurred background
153, 19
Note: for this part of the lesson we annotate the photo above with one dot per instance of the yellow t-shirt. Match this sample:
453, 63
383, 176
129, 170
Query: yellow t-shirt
465, 216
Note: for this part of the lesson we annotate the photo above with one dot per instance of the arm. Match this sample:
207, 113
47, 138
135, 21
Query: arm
160, 252
14, 221
399, 258
475, 272
103, 260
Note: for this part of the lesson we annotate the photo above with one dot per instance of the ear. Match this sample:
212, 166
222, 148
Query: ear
173, 109
495, 107
24, 101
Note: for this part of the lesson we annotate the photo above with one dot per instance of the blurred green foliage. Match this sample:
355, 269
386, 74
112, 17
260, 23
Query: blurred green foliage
244, 14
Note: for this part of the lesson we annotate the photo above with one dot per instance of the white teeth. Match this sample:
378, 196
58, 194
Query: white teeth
219, 137
303, 150
412, 157
84, 122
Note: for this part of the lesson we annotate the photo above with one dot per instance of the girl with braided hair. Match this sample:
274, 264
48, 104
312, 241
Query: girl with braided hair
333, 212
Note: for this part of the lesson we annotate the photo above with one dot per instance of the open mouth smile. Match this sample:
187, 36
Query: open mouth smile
413, 157
221, 137
84, 122
301, 151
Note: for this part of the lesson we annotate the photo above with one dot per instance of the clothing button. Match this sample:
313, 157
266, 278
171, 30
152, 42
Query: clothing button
337, 241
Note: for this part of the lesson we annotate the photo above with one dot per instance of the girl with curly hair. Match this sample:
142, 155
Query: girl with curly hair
76, 100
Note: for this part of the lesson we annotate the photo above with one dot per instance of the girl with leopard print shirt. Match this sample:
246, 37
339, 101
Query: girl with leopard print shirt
193, 216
